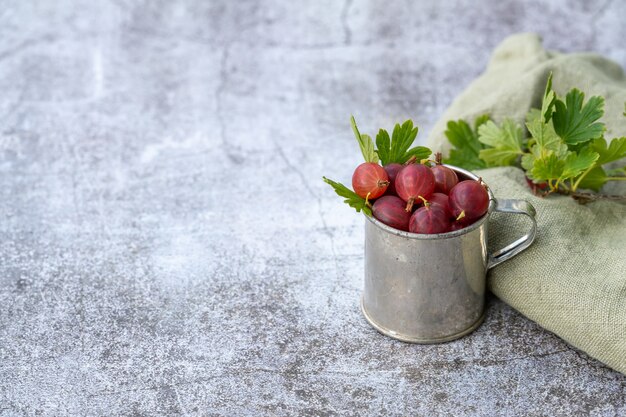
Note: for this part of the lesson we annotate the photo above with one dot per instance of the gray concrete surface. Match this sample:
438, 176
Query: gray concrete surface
167, 244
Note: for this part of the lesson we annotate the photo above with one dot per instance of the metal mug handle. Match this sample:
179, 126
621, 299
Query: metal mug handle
509, 251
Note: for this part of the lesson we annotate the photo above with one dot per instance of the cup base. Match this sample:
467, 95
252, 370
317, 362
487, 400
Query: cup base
423, 341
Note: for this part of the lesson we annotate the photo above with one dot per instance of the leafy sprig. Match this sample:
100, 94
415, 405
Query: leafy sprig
365, 143
398, 149
504, 143
394, 149
350, 197
575, 123
566, 149
467, 147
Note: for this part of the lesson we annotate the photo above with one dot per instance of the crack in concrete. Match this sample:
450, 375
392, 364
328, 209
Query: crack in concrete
312, 371
325, 227
308, 187
174, 386
234, 157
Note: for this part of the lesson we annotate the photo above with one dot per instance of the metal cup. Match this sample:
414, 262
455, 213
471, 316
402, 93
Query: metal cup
431, 288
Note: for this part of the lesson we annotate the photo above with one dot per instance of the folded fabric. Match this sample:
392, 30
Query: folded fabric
572, 280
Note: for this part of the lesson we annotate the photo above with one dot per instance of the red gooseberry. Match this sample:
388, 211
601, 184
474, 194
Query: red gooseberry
370, 180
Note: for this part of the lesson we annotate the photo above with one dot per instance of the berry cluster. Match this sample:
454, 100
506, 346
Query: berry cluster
419, 198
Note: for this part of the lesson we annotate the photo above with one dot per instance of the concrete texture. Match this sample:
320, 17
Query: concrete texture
167, 244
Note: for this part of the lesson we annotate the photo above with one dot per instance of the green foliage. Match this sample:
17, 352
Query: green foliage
575, 163
383, 143
575, 123
504, 143
565, 149
365, 143
547, 103
466, 146
615, 151
549, 167
395, 149
543, 136
350, 197
398, 148
594, 180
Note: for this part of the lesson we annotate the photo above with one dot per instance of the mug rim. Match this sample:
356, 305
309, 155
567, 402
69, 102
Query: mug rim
446, 235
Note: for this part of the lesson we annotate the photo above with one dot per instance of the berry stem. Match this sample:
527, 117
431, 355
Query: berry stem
409, 205
461, 215
411, 160
584, 198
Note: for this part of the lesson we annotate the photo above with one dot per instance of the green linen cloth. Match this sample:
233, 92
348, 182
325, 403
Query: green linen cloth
572, 280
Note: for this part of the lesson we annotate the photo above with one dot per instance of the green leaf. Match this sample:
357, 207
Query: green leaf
576, 123
577, 163
383, 143
616, 150
401, 140
506, 142
420, 152
463, 158
545, 137
367, 148
481, 120
350, 197
547, 103
466, 144
498, 157
594, 180
398, 149
532, 115
365, 143
548, 168
461, 135
528, 161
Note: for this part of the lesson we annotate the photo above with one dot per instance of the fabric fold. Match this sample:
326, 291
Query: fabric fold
572, 280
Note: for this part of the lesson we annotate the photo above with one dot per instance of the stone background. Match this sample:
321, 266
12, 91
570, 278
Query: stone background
167, 244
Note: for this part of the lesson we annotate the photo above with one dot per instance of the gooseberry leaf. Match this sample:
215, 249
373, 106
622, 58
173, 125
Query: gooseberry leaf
528, 162
505, 142
547, 168
398, 149
350, 197
383, 145
594, 179
547, 103
575, 123
365, 143
545, 138
466, 146
419, 152
578, 162
615, 150
401, 140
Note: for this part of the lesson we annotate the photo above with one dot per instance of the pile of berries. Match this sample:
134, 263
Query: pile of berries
420, 198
